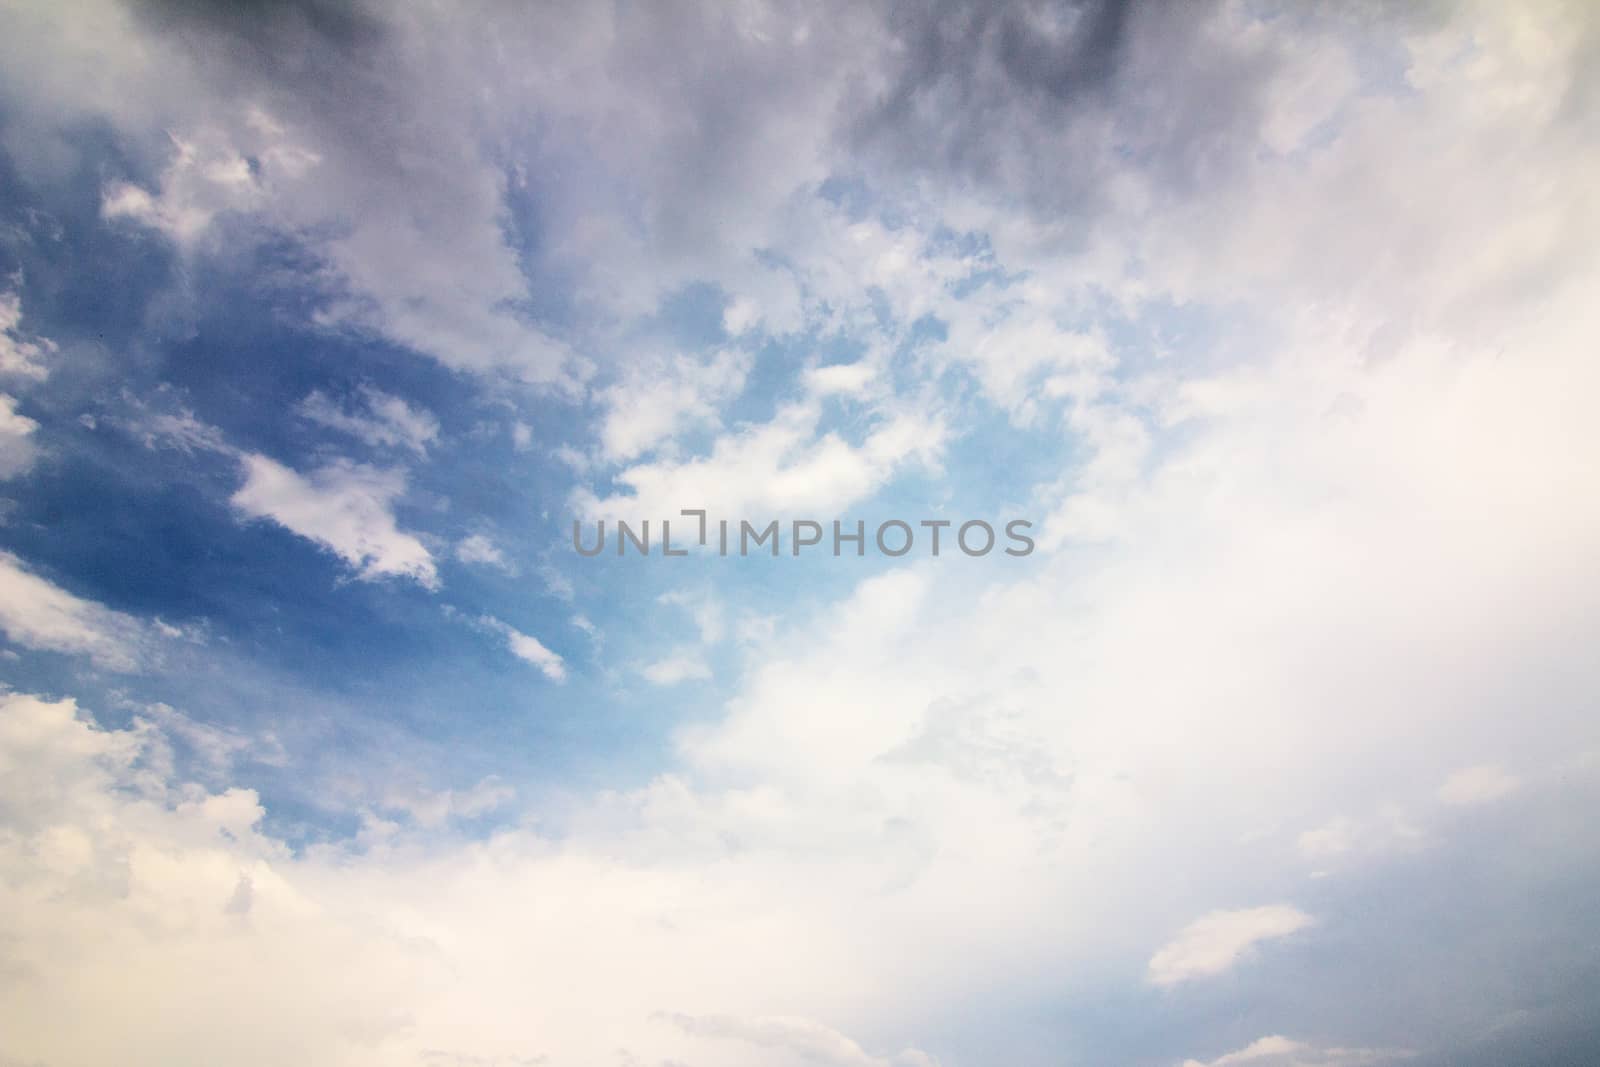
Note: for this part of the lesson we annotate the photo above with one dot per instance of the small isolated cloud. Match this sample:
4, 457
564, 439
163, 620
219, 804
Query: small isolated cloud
809, 1040
529, 649
19, 356
688, 666
1272, 1046
1333, 838
347, 508
583, 622
1275, 1050
17, 449
1341, 837
375, 417
1213, 943
479, 549
178, 429
557, 584
37, 614
1476, 785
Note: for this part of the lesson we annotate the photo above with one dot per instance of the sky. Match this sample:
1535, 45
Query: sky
323, 324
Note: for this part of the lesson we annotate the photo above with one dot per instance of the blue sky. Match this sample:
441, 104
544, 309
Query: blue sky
321, 324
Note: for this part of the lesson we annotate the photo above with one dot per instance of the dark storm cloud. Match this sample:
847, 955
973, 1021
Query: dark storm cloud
1063, 50
319, 61
266, 24
1041, 102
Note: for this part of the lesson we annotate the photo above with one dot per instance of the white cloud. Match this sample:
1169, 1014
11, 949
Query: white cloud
1021, 355
1274, 1050
346, 508
379, 955
20, 357
683, 666
811, 1041
557, 584
434, 808
529, 649
387, 421
843, 379
1343, 839
1213, 943
704, 608
1269, 1047
180, 429
782, 467
1311, 570
206, 177
37, 614
1333, 838
740, 315
479, 549
17, 448
216, 747
657, 399
687, 662
442, 281
1477, 785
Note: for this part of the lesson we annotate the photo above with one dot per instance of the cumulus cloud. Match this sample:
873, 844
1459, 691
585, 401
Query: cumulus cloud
346, 508
108, 860
310, 148
1213, 943
206, 177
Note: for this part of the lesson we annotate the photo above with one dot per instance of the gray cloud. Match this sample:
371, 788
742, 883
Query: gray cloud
1046, 102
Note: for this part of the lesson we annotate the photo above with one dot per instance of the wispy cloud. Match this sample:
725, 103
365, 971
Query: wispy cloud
529, 649
379, 419
1215, 942
38, 614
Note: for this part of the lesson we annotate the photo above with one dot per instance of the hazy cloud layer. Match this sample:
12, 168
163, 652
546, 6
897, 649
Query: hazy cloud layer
322, 322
